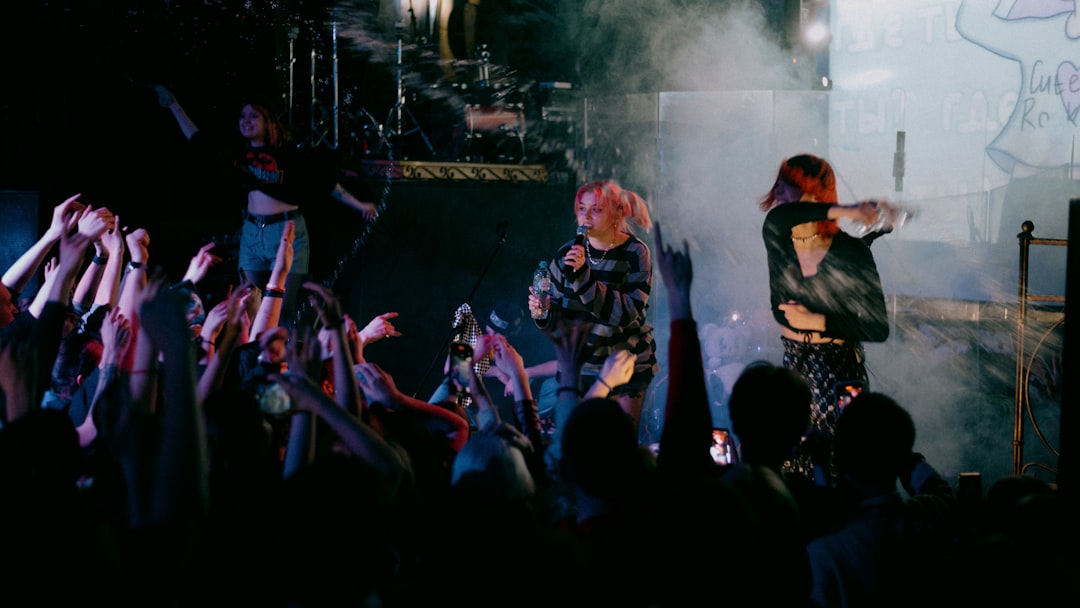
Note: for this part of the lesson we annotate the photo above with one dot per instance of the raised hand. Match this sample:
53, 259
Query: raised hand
62, 213
76, 240
162, 311
304, 355
113, 239
377, 385
570, 339
618, 368
138, 243
284, 260
94, 223
165, 96
201, 263
677, 272
49, 271
380, 327
325, 304
115, 336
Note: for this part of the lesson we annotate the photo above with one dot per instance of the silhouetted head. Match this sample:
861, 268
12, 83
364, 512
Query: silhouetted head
874, 438
492, 463
770, 410
600, 450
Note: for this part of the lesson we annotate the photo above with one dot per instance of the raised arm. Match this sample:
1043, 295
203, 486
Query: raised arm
684, 445
168, 101
269, 313
138, 245
115, 338
89, 225
179, 491
378, 328
358, 438
224, 337
26, 266
379, 387
570, 340
108, 289
86, 287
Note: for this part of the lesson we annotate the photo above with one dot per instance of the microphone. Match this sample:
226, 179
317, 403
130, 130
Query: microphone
582, 233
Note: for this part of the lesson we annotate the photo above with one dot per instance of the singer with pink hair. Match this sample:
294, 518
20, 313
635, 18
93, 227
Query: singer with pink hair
604, 277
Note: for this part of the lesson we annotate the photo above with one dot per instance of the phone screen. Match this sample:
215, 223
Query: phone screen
846, 391
723, 447
461, 364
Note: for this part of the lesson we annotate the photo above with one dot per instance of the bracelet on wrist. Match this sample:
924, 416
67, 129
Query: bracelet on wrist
132, 265
606, 385
273, 292
100, 259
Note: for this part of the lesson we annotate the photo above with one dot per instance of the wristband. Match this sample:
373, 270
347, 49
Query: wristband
132, 265
100, 259
601, 381
273, 292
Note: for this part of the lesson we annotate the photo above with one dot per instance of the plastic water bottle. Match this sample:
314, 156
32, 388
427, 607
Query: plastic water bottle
541, 287
890, 218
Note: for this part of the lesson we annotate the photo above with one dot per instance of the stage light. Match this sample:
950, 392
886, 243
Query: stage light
815, 35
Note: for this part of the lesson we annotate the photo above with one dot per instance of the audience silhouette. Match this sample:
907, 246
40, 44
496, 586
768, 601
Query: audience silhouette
193, 455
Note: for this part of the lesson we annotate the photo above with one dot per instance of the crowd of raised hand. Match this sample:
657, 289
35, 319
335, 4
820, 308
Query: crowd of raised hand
156, 453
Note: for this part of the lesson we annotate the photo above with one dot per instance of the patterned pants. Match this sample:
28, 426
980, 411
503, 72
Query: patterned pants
824, 366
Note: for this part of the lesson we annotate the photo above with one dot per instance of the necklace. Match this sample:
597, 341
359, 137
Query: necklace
588, 254
806, 239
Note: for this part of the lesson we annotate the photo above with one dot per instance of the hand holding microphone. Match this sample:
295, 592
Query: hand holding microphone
575, 257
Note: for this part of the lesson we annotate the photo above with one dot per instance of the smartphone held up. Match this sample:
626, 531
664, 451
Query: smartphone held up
461, 364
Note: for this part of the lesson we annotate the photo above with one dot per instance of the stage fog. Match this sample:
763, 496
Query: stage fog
958, 111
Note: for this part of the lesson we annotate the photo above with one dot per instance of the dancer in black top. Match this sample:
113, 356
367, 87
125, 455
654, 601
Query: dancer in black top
825, 291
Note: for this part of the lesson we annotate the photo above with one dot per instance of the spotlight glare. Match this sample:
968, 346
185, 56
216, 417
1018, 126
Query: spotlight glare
816, 35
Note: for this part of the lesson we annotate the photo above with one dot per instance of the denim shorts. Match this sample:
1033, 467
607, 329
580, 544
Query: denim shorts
259, 245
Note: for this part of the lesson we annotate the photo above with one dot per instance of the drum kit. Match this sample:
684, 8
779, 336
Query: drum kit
486, 103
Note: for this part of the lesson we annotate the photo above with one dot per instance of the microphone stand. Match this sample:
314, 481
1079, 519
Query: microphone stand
501, 230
